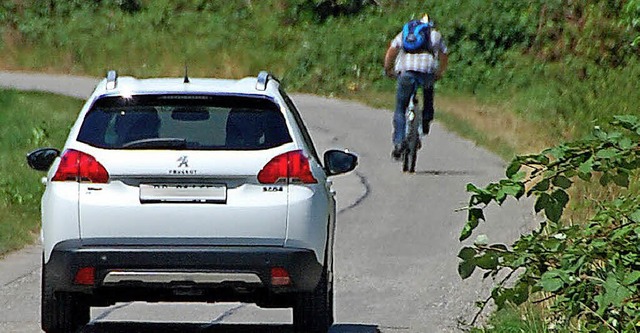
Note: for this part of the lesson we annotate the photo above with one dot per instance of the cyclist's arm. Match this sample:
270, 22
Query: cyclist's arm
392, 54
444, 62
443, 57
390, 60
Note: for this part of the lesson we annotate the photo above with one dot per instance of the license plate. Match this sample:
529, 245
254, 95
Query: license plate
186, 193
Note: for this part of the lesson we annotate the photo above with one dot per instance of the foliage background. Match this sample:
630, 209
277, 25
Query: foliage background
564, 63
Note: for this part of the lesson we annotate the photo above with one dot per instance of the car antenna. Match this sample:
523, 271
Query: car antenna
186, 75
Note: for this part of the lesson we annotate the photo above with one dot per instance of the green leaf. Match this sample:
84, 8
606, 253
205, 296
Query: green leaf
467, 253
553, 204
631, 278
607, 153
615, 293
501, 196
488, 261
521, 293
586, 166
562, 182
482, 196
513, 168
626, 143
627, 121
466, 232
542, 186
519, 176
621, 179
554, 211
635, 216
561, 197
552, 244
555, 152
475, 214
542, 202
466, 268
514, 189
614, 136
472, 188
551, 282
502, 297
599, 133
586, 176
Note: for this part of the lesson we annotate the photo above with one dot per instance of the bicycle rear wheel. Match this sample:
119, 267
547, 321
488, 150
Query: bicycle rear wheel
410, 157
406, 161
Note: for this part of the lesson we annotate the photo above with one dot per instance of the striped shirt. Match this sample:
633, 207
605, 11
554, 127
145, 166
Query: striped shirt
420, 62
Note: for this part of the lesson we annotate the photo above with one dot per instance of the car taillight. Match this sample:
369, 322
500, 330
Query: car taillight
292, 166
78, 166
280, 277
85, 276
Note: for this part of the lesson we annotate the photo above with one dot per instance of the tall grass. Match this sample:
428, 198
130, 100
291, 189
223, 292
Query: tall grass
28, 121
527, 319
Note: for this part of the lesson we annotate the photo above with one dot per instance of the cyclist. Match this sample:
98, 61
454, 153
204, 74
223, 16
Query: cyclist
422, 68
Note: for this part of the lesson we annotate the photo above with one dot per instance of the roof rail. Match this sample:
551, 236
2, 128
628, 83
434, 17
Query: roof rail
112, 79
263, 79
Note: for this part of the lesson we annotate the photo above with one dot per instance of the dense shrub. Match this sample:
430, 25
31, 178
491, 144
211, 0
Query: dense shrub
588, 271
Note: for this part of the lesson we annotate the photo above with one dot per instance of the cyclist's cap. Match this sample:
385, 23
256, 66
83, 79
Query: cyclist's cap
425, 18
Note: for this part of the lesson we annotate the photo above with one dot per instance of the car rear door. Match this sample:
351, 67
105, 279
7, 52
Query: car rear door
212, 195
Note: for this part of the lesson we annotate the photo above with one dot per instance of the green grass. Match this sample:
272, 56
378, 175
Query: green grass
504, 149
516, 320
29, 121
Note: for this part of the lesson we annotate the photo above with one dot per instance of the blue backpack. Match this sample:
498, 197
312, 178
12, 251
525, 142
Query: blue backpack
416, 37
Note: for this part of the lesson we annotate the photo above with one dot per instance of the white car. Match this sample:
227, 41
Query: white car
178, 189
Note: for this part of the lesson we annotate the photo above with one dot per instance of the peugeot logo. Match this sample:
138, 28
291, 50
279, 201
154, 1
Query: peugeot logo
184, 161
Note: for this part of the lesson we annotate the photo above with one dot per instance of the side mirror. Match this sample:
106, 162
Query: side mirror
338, 162
41, 159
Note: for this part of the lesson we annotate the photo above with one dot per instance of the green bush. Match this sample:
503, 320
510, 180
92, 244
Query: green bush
588, 270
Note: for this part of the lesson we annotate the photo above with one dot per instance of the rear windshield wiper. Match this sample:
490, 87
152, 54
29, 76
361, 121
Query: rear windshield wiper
175, 143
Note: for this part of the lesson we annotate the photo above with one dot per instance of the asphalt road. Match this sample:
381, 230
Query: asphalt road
396, 243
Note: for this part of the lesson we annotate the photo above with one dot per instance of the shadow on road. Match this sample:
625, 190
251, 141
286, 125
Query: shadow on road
138, 327
446, 173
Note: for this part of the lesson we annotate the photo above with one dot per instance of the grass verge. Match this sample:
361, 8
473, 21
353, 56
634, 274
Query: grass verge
517, 320
29, 120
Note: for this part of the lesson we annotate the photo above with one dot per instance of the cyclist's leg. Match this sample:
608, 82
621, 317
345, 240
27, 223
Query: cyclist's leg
428, 109
403, 94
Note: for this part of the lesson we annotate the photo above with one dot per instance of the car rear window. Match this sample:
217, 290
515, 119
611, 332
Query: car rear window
192, 122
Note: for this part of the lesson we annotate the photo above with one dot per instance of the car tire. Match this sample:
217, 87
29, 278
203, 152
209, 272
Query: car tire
61, 312
313, 312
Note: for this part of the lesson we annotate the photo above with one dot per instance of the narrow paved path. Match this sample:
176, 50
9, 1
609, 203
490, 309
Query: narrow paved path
396, 246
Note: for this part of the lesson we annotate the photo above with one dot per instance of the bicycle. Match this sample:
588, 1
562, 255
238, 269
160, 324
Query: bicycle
412, 142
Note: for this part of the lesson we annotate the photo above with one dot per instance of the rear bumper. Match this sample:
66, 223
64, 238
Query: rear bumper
126, 271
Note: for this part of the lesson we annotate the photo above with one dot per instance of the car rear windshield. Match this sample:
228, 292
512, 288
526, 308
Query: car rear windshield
192, 122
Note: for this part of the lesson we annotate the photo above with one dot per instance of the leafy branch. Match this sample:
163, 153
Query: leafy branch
590, 269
